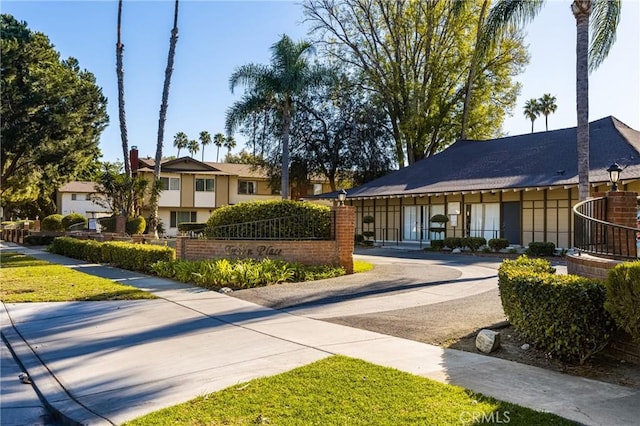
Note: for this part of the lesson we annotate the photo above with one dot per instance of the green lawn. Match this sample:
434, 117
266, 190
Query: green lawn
345, 391
26, 279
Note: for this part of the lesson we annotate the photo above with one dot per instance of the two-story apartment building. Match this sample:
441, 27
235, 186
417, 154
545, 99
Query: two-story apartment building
192, 189
80, 197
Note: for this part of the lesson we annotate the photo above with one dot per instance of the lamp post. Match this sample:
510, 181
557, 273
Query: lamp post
342, 195
614, 175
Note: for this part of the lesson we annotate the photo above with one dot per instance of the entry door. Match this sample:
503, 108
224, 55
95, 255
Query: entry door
412, 223
511, 222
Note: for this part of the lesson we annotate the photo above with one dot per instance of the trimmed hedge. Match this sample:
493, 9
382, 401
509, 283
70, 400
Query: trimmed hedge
497, 244
72, 219
561, 314
52, 223
541, 249
453, 242
308, 220
191, 226
135, 225
135, 257
437, 244
623, 297
38, 240
474, 243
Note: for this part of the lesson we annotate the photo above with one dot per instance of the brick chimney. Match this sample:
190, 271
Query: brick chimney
133, 159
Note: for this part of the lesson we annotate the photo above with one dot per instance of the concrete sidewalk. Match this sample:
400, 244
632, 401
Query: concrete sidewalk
109, 362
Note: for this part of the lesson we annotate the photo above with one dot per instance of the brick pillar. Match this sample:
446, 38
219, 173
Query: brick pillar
121, 224
345, 228
181, 245
622, 209
36, 225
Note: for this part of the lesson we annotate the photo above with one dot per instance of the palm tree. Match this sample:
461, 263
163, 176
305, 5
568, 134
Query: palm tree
205, 139
602, 17
121, 113
275, 87
180, 141
218, 140
163, 117
547, 105
532, 110
229, 143
193, 147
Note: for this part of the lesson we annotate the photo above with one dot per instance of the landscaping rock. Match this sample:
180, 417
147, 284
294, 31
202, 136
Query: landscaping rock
225, 290
456, 250
525, 347
487, 341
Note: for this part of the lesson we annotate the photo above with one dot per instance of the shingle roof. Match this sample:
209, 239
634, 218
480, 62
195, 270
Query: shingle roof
543, 159
78, 187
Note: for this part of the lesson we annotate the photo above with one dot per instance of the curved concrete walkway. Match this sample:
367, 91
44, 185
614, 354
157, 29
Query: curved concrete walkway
109, 362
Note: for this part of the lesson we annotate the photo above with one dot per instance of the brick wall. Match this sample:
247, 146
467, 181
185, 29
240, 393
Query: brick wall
338, 252
590, 266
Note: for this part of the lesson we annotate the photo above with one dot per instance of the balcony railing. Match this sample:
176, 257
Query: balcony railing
601, 238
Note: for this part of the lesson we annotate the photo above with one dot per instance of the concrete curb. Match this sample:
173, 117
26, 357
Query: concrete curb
53, 395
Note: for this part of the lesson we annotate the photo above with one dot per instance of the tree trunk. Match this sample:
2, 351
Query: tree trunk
582, 11
121, 113
163, 111
286, 126
472, 71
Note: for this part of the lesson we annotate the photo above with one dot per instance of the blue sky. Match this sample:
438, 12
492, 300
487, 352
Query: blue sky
215, 37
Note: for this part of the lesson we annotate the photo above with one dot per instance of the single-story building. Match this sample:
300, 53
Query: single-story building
521, 188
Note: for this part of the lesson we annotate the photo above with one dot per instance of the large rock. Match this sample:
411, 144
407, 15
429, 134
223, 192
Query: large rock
487, 341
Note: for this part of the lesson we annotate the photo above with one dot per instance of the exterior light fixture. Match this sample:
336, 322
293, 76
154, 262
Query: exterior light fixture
342, 195
614, 175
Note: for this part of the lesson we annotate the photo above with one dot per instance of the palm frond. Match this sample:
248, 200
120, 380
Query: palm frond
605, 16
243, 108
249, 75
509, 13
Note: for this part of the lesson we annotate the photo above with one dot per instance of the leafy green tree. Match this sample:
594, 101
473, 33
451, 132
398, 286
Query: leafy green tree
121, 110
547, 106
163, 116
193, 147
205, 139
531, 110
414, 56
122, 194
52, 116
218, 141
601, 17
180, 141
275, 87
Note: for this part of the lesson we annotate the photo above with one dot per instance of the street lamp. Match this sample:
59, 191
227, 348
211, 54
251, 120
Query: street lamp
342, 195
614, 175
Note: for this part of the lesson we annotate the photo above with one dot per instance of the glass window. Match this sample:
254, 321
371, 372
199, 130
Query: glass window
246, 187
177, 218
170, 184
204, 185
317, 188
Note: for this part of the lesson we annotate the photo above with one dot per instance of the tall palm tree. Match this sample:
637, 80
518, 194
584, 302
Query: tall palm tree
163, 117
548, 106
599, 16
218, 140
121, 111
531, 110
205, 139
229, 143
193, 147
275, 87
180, 141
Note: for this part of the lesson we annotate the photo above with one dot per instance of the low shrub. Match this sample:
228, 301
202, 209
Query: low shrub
306, 220
368, 219
135, 225
497, 244
437, 244
474, 243
73, 219
107, 224
369, 234
241, 273
358, 238
561, 314
135, 257
540, 249
52, 223
453, 242
191, 226
623, 297
38, 240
